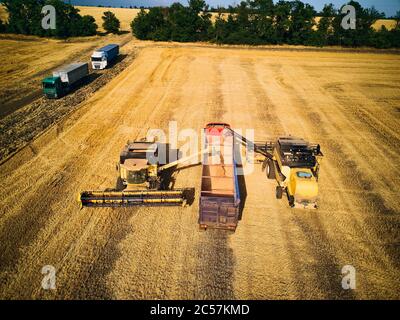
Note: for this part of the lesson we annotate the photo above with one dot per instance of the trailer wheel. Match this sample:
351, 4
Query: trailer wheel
279, 192
270, 170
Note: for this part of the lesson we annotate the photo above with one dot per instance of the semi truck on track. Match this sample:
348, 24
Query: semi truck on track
101, 58
64, 80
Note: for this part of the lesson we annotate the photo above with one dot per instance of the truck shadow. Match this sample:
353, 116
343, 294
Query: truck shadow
84, 83
215, 266
117, 60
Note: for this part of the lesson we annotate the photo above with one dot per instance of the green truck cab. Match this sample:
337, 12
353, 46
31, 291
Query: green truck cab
52, 87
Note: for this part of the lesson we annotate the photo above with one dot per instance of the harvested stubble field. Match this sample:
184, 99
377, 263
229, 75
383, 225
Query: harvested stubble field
347, 102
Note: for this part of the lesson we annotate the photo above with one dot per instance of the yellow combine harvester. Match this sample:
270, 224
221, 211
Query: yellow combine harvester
293, 163
141, 182
295, 166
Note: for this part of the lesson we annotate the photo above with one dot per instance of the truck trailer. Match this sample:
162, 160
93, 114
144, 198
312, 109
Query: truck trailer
219, 195
64, 79
102, 57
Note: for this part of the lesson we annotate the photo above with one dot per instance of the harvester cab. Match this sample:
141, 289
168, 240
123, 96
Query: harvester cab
136, 168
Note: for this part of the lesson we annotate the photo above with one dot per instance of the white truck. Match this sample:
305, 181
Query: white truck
102, 57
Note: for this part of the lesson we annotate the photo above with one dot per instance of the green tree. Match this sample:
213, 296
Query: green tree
25, 17
151, 25
397, 18
263, 20
325, 26
282, 12
177, 22
301, 22
381, 39
87, 26
2, 26
110, 22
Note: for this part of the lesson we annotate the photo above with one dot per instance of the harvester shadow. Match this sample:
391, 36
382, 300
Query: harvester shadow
241, 180
168, 179
324, 273
96, 284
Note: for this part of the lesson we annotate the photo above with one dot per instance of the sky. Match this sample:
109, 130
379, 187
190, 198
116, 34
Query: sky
390, 7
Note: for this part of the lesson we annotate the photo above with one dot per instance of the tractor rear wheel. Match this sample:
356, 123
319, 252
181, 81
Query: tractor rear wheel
270, 169
279, 192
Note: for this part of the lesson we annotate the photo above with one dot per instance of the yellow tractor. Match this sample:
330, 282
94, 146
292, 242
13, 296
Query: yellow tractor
141, 181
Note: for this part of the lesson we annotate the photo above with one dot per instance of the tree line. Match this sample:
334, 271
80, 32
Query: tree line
25, 17
252, 22
256, 22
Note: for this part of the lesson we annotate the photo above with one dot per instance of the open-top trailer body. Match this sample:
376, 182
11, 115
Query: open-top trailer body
219, 195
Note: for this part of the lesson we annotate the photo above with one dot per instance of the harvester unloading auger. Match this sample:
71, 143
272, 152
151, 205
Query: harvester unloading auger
140, 182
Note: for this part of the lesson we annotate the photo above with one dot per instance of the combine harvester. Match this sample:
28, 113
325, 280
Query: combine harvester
294, 163
141, 182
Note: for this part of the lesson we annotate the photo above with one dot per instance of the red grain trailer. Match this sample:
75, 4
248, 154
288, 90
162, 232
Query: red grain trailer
219, 197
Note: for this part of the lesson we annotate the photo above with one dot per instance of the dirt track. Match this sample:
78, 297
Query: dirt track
346, 102
24, 125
